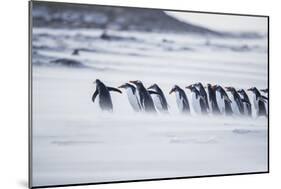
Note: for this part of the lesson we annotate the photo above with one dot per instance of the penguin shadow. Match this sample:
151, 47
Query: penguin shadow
241, 131
76, 142
180, 138
194, 140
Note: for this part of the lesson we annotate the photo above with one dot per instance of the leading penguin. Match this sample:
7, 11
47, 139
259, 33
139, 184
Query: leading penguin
145, 99
159, 98
103, 91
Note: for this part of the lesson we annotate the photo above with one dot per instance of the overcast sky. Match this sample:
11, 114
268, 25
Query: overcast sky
224, 22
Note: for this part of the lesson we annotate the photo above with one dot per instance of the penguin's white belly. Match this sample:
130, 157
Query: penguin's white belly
196, 104
220, 102
179, 102
234, 106
255, 109
246, 111
266, 107
209, 102
133, 100
138, 99
157, 102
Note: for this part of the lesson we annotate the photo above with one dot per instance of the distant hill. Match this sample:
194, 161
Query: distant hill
64, 15
58, 15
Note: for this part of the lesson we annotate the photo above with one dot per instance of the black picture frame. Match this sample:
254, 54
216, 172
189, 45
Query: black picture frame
30, 99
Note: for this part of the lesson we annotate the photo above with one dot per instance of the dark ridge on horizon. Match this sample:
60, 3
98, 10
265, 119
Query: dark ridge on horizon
106, 17
71, 16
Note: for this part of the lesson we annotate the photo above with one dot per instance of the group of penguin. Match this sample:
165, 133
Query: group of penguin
204, 100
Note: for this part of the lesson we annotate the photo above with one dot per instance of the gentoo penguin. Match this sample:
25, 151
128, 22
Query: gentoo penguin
236, 104
246, 102
198, 101
259, 102
203, 93
223, 100
132, 96
213, 99
159, 98
103, 91
145, 99
182, 100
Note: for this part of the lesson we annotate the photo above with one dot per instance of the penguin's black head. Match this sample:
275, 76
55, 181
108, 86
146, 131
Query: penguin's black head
174, 89
154, 86
124, 86
97, 81
136, 82
253, 89
189, 87
231, 89
198, 84
241, 91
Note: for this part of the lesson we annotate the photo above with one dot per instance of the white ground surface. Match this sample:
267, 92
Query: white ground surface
74, 142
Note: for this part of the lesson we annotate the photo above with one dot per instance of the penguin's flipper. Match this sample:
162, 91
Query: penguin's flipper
226, 98
260, 98
95, 95
246, 101
264, 90
153, 92
114, 89
264, 97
